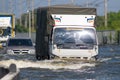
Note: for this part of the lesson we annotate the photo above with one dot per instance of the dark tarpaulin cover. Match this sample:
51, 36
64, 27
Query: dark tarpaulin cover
69, 9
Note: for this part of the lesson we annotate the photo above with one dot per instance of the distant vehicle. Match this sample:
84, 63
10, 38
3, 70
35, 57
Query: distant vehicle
20, 46
66, 32
7, 28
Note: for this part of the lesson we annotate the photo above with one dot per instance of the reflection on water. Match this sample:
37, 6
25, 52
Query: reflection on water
106, 68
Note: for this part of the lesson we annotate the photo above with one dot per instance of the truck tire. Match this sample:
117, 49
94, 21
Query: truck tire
95, 58
48, 57
42, 57
38, 57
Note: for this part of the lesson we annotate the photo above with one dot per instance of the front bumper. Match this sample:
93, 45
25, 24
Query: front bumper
75, 53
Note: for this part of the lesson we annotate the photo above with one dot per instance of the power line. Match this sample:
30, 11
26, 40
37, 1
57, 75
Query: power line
99, 3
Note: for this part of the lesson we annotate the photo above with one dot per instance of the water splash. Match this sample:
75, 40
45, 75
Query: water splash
49, 64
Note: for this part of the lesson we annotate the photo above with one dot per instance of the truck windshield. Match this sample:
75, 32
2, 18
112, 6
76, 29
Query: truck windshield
74, 36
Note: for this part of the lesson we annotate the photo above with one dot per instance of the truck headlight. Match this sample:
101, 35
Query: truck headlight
54, 46
9, 51
32, 51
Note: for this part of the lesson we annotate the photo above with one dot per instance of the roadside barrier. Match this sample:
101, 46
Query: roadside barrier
13, 73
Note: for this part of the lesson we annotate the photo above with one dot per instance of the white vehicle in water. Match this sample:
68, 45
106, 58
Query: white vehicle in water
66, 34
19, 46
74, 42
7, 28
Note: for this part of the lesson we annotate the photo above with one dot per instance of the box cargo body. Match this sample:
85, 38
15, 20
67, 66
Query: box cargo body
70, 18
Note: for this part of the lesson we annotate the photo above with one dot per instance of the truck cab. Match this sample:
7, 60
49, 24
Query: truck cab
7, 28
74, 42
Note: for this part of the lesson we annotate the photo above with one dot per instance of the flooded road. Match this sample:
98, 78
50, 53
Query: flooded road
106, 68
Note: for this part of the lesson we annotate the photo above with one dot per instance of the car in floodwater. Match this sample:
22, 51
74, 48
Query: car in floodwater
20, 46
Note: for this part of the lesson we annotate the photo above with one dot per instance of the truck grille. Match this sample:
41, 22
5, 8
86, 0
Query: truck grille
75, 46
21, 51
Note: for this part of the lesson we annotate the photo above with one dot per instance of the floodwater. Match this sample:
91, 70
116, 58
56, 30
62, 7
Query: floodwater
106, 68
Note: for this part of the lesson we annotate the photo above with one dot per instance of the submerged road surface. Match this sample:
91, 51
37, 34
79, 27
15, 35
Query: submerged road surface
106, 68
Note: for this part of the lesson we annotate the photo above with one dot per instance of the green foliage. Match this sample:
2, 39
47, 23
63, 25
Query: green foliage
19, 28
103, 28
113, 21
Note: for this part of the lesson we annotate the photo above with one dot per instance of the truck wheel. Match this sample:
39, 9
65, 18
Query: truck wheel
48, 57
95, 58
38, 57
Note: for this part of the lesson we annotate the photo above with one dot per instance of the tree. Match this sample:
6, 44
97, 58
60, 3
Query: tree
113, 21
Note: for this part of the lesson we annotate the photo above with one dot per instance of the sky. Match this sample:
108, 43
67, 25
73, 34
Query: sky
22, 6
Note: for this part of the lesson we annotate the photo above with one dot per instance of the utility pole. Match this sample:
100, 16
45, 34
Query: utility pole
33, 15
49, 1
87, 4
26, 20
20, 11
29, 15
105, 10
29, 24
72, 1
11, 6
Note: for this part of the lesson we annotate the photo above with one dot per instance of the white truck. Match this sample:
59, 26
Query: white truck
66, 32
7, 28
